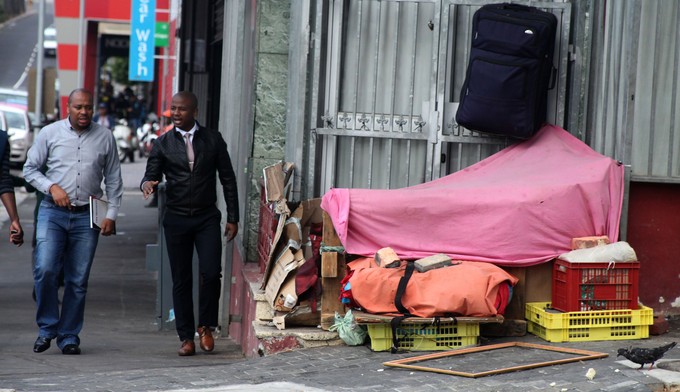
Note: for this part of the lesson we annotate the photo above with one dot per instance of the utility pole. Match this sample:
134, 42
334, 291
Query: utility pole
39, 64
81, 41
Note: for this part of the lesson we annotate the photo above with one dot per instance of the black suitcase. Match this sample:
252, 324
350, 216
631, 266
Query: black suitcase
510, 70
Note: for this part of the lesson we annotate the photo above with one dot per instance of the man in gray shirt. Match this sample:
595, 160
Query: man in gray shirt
67, 162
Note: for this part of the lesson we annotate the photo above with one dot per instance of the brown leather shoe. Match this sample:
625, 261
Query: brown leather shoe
206, 341
188, 348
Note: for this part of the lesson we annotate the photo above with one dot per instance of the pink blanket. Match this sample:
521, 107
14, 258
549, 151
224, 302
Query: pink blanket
519, 207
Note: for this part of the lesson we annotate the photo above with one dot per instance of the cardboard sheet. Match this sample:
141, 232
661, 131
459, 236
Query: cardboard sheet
289, 252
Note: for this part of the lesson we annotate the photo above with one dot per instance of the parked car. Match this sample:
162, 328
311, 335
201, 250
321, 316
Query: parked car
18, 126
19, 99
12, 97
50, 41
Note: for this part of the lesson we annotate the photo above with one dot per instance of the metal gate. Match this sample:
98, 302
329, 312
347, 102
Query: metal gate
394, 72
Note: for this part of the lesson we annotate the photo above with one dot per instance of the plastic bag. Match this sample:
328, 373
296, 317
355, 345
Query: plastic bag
350, 332
618, 252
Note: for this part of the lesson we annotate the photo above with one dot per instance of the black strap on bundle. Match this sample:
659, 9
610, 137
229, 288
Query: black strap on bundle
401, 288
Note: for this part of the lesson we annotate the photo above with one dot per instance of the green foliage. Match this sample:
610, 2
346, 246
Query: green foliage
118, 67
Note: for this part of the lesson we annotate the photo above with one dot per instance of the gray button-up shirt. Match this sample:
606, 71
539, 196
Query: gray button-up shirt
77, 162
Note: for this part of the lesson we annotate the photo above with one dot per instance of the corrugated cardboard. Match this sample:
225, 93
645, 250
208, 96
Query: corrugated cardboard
289, 249
292, 249
280, 288
302, 315
277, 180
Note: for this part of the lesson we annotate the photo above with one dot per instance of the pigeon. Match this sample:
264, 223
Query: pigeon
645, 355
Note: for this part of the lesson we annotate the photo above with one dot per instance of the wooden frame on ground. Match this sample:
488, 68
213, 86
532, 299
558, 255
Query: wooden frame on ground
583, 355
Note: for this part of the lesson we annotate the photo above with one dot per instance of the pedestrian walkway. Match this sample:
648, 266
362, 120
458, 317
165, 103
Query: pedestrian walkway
124, 351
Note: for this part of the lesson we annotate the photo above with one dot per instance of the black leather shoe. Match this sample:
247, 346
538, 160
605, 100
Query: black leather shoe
71, 349
41, 344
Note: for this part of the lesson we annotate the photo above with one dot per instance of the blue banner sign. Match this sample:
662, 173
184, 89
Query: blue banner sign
142, 28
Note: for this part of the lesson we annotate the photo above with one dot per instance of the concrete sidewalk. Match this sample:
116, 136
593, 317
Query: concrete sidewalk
124, 351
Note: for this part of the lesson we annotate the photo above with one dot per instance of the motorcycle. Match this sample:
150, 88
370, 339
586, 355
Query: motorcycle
146, 135
126, 141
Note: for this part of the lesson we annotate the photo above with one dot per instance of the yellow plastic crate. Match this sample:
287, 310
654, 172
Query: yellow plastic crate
540, 314
625, 332
424, 337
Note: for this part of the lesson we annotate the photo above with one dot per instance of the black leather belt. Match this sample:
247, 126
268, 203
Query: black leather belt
84, 208
72, 208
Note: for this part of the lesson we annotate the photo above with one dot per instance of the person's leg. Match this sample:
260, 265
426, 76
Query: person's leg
179, 242
209, 249
39, 197
51, 233
78, 258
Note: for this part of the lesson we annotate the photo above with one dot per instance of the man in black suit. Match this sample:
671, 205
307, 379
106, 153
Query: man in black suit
190, 156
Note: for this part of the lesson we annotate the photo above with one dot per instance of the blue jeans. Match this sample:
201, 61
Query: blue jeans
65, 240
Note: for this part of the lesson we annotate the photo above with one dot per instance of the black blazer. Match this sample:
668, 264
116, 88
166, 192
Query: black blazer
189, 192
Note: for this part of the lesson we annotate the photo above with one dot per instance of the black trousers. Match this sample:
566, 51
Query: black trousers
182, 233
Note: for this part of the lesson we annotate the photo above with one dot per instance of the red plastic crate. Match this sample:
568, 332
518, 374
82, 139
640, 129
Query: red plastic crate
581, 287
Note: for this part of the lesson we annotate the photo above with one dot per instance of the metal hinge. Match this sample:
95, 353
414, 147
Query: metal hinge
573, 53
